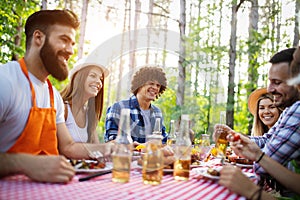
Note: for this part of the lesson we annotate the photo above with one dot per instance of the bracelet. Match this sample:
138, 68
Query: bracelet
261, 156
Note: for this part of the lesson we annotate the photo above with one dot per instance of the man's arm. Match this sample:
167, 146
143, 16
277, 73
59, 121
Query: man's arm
42, 168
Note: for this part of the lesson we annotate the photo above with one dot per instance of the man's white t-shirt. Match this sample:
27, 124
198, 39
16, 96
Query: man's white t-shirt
16, 102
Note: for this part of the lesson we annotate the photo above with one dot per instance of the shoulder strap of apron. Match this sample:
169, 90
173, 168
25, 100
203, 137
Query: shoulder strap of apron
24, 69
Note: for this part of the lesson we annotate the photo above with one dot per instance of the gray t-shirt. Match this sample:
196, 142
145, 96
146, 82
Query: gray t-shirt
146, 117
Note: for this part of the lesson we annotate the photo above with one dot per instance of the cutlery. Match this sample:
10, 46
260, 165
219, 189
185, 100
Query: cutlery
94, 175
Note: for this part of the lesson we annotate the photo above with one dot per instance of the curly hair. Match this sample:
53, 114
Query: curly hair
149, 73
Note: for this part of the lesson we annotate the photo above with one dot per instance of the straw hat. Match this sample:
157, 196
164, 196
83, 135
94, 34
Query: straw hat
82, 63
253, 98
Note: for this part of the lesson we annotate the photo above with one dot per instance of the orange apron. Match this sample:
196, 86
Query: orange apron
39, 134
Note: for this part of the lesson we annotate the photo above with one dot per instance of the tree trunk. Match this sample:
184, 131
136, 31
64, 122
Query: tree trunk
149, 26
296, 29
118, 95
232, 58
253, 51
133, 41
44, 4
84, 9
182, 52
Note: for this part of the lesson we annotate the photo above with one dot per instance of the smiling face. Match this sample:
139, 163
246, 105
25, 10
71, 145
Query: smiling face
268, 113
93, 83
149, 91
57, 49
284, 95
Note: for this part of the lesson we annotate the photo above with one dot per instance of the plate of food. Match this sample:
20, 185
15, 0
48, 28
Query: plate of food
243, 165
210, 173
90, 166
243, 162
214, 173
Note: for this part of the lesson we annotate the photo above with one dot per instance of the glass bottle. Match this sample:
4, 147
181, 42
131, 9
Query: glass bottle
157, 128
123, 148
172, 136
222, 142
153, 163
183, 147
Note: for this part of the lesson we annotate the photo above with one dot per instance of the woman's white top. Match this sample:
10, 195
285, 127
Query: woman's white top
78, 134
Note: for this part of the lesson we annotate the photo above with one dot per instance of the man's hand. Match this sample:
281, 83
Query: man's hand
243, 146
168, 155
218, 129
54, 169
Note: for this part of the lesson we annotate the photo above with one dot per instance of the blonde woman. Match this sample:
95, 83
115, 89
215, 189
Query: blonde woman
265, 113
83, 97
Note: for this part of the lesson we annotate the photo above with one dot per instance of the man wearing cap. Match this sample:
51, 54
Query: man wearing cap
147, 84
83, 98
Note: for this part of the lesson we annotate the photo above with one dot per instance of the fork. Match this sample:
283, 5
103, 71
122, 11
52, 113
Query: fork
97, 155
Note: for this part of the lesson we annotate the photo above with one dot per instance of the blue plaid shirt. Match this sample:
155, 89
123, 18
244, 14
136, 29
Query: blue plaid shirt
136, 123
282, 142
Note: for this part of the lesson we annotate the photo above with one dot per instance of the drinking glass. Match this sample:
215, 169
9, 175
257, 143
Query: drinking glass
222, 142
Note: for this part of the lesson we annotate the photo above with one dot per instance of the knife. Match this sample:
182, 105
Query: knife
94, 175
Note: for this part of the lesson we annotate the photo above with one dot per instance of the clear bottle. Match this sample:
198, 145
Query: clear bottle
172, 136
153, 163
123, 148
222, 142
157, 127
183, 147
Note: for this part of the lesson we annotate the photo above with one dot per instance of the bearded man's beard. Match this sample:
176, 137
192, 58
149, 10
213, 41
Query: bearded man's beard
53, 65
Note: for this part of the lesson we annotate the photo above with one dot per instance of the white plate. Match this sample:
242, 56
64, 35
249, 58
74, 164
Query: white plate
108, 167
243, 165
168, 170
203, 172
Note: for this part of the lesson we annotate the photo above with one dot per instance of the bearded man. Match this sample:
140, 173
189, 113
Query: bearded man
32, 127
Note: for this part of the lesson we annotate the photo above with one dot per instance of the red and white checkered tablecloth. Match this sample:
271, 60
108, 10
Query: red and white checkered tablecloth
21, 187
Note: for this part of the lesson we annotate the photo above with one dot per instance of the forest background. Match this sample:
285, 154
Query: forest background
215, 53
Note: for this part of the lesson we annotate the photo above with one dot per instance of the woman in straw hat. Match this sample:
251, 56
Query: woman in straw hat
264, 111
83, 98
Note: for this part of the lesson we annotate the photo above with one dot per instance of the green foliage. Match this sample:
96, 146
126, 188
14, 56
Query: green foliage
13, 15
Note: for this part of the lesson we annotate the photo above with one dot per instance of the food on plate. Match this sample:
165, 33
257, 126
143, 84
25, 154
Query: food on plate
244, 161
196, 163
232, 158
236, 137
214, 151
195, 155
87, 164
213, 172
140, 147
